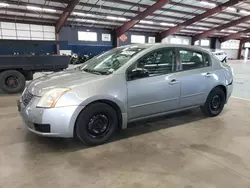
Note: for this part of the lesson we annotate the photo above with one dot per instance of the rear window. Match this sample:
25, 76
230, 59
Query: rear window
191, 59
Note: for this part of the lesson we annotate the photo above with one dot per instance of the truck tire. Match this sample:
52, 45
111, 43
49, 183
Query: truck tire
12, 81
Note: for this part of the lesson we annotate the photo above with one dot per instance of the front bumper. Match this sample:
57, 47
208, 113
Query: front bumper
61, 120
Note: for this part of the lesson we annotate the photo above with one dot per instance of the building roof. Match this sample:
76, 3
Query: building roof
113, 14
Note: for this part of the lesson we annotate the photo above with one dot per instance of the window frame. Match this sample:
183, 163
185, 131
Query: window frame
179, 63
155, 50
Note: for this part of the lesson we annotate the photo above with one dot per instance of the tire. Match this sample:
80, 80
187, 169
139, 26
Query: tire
93, 118
215, 103
12, 81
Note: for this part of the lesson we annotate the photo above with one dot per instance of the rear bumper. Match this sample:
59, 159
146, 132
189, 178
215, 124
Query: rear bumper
61, 121
229, 90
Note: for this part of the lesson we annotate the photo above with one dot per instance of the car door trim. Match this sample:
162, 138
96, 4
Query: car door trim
155, 102
192, 95
162, 113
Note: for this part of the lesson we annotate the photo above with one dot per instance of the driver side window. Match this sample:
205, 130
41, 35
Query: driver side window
159, 62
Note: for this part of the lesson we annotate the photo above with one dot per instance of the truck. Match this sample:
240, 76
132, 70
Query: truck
15, 70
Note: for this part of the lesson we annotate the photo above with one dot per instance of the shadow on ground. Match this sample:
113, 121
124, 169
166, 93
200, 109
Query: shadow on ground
134, 129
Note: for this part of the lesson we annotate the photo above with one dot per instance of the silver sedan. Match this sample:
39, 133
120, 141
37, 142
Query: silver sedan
123, 85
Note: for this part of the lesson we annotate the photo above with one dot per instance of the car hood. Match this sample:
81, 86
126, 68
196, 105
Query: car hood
64, 79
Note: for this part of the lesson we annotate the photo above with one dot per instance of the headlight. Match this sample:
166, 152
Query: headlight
50, 98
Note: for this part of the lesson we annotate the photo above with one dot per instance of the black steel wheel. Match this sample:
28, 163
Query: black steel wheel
99, 125
12, 81
215, 102
96, 124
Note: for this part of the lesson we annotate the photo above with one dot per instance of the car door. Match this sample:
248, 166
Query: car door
194, 76
157, 91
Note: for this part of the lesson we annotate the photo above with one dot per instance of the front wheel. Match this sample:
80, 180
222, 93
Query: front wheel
96, 124
215, 102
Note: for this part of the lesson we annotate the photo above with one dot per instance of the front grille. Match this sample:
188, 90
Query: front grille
26, 98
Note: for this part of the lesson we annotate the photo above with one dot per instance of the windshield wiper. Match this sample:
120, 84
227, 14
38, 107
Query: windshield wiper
96, 71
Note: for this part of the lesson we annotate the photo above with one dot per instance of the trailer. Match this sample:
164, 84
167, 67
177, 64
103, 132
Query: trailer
16, 69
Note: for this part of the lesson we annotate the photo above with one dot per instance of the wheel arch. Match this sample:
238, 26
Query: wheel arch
206, 109
223, 88
117, 106
114, 106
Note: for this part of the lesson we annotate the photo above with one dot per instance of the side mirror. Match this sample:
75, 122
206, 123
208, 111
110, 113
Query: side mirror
138, 73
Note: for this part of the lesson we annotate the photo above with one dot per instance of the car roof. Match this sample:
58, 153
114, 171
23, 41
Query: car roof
215, 50
218, 51
157, 45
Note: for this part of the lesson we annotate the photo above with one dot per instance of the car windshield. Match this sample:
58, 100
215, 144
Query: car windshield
110, 61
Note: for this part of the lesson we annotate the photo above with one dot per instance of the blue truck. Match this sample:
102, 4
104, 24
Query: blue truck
16, 69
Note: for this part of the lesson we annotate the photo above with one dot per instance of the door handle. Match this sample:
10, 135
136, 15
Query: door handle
174, 81
208, 74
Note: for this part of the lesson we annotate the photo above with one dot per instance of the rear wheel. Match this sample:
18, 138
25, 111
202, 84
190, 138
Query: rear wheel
12, 81
215, 102
96, 124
